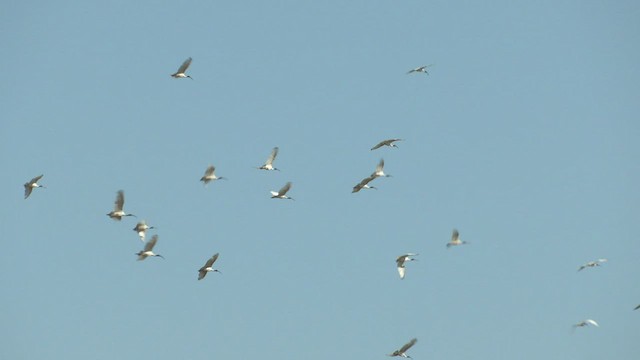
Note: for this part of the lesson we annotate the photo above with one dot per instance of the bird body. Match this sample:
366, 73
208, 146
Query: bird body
141, 228
208, 267
364, 184
455, 239
210, 175
32, 184
401, 260
118, 212
148, 249
592, 264
180, 74
281, 194
388, 142
422, 69
268, 165
402, 351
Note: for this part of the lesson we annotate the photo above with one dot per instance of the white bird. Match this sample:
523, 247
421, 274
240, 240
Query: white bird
586, 323
181, 71
141, 228
380, 170
268, 165
592, 264
117, 212
32, 184
148, 249
422, 69
210, 175
455, 239
403, 259
388, 142
364, 184
281, 194
403, 349
208, 266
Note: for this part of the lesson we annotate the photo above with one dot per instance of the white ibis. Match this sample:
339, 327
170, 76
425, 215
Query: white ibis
592, 264
587, 322
401, 260
208, 267
388, 142
118, 212
281, 194
148, 249
210, 175
141, 228
380, 170
402, 351
32, 184
181, 71
422, 69
455, 239
268, 165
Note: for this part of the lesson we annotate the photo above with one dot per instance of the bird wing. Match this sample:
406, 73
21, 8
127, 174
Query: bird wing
378, 145
380, 166
27, 190
455, 236
401, 271
119, 203
210, 170
592, 322
637, 307
411, 71
408, 345
184, 66
363, 182
602, 260
36, 179
284, 189
272, 156
211, 261
201, 274
151, 243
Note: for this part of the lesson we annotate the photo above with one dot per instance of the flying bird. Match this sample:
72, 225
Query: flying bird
586, 323
268, 165
210, 175
141, 228
181, 71
592, 264
380, 170
455, 239
637, 307
364, 184
148, 249
32, 184
403, 349
388, 142
117, 212
403, 259
208, 266
281, 194
422, 69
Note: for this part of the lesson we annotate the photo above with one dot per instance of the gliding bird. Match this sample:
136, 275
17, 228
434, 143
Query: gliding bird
208, 266
586, 323
117, 212
592, 264
148, 249
455, 239
210, 175
422, 69
388, 142
364, 184
32, 184
281, 194
404, 348
401, 260
268, 165
141, 228
181, 71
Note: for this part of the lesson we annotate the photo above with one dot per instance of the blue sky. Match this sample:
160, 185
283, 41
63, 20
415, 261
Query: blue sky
524, 137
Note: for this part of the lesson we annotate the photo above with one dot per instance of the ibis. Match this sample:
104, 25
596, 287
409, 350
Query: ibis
148, 249
402, 351
141, 228
210, 175
380, 170
364, 184
455, 239
422, 69
587, 322
32, 184
388, 142
268, 165
208, 267
401, 260
592, 264
182, 69
118, 212
281, 194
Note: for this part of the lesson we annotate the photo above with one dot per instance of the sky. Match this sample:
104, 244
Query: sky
523, 136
